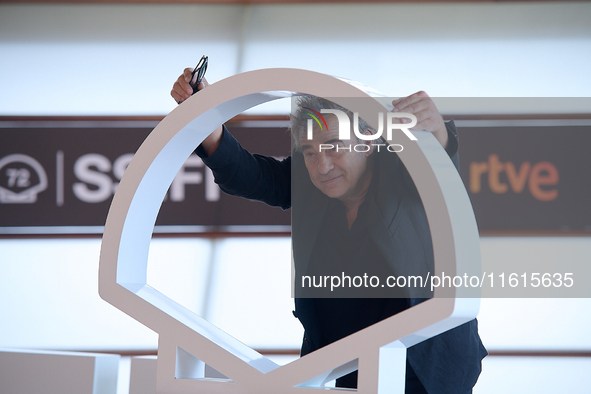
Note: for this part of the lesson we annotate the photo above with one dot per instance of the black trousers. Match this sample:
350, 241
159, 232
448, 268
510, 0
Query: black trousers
412, 386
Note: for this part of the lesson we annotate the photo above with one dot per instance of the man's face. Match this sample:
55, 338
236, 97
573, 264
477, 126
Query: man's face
336, 172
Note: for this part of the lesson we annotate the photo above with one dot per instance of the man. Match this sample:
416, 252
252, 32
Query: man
344, 202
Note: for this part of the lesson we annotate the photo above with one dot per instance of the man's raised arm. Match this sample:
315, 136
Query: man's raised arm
237, 171
182, 90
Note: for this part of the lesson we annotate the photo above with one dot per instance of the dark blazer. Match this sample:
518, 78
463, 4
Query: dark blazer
448, 363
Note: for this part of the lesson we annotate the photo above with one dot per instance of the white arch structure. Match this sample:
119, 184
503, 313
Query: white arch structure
378, 351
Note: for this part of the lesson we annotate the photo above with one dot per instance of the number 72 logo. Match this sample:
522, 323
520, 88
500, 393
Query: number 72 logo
21, 179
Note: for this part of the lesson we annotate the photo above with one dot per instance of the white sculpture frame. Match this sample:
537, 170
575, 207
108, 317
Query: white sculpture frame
378, 351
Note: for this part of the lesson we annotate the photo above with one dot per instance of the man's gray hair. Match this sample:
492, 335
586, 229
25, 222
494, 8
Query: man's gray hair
299, 118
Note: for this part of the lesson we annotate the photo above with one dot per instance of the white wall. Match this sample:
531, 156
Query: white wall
123, 59
49, 300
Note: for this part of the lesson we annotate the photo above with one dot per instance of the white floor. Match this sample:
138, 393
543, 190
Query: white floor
500, 374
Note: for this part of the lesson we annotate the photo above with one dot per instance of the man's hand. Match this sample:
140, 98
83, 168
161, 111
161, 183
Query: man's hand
428, 117
182, 90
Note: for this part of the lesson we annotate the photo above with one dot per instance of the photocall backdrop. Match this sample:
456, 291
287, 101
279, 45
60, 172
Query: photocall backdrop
59, 176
